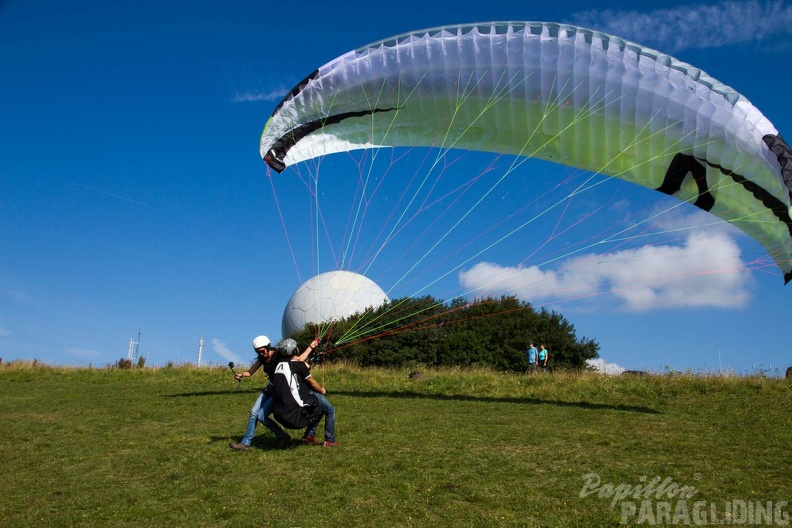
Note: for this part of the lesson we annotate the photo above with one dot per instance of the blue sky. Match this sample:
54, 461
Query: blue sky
132, 194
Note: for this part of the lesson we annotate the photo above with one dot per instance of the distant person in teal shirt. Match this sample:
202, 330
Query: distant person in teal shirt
531, 354
544, 355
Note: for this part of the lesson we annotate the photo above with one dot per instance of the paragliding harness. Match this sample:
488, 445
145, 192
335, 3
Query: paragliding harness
295, 405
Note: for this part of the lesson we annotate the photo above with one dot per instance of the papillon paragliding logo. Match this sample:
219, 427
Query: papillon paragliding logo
659, 501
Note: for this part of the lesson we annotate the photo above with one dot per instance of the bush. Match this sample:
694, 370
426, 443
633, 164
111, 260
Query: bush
124, 364
425, 331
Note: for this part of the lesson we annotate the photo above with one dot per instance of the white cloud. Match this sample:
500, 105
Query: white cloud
224, 352
697, 25
706, 270
602, 366
5, 332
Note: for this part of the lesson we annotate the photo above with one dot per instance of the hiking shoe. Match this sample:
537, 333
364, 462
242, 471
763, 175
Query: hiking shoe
308, 439
284, 441
330, 444
238, 447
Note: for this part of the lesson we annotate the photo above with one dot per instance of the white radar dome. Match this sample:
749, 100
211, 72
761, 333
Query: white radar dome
330, 296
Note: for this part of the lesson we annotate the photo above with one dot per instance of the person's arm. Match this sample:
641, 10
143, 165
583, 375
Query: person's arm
307, 351
249, 372
315, 386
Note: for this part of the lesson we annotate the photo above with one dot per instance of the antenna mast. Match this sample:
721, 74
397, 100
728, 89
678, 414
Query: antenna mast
200, 350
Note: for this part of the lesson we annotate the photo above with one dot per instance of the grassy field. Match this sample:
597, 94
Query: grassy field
149, 447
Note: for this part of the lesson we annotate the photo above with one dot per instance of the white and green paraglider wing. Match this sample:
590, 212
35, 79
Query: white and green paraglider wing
556, 92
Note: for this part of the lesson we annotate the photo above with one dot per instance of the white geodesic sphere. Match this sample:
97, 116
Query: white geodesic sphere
330, 296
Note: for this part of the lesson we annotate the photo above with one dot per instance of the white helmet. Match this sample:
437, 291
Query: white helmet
261, 341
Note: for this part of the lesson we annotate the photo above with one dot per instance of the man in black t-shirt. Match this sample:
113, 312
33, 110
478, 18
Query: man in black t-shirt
289, 393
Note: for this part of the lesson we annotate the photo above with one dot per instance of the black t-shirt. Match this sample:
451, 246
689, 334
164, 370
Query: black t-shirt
269, 368
300, 369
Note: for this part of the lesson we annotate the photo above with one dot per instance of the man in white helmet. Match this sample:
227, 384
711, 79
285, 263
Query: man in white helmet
262, 408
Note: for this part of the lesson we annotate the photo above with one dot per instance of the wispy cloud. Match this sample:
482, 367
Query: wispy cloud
697, 26
251, 96
705, 271
5, 332
101, 191
20, 297
84, 353
224, 352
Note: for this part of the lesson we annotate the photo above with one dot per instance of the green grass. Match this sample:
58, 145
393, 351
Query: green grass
149, 447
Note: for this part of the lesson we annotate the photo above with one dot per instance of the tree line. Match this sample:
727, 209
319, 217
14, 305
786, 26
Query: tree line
425, 331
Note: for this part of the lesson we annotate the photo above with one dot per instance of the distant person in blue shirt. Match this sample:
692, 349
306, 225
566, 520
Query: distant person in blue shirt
532, 355
544, 355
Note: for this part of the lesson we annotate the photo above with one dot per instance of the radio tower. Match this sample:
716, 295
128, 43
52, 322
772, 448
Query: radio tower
200, 349
134, 346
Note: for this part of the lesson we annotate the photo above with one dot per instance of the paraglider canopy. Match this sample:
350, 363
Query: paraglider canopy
556, 92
